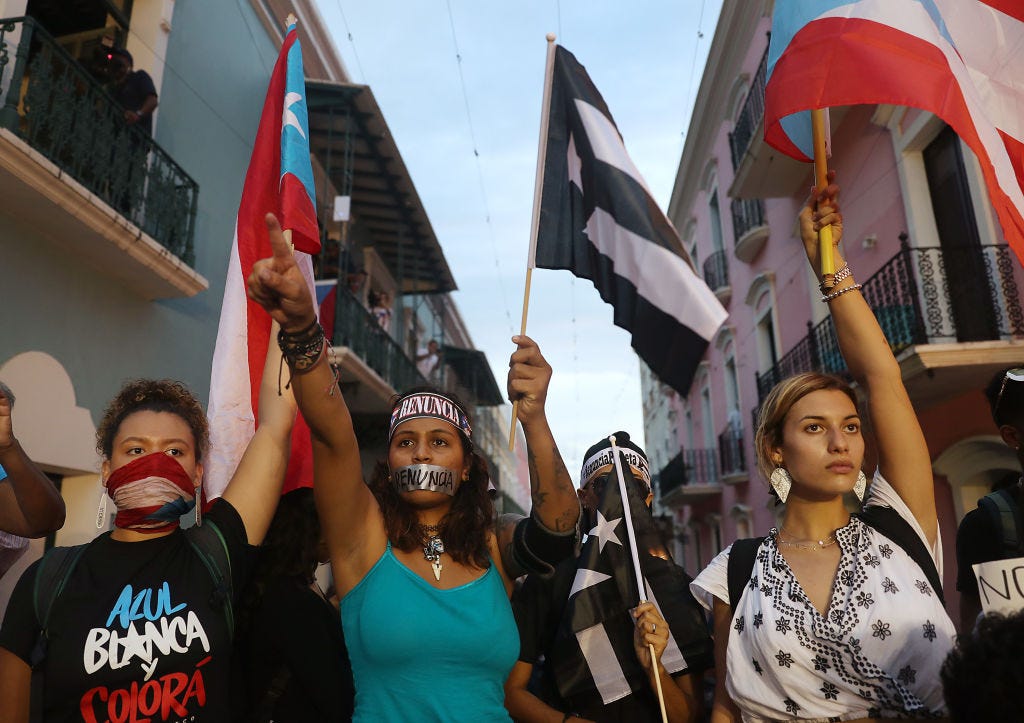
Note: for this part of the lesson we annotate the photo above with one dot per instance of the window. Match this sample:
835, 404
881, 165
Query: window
715, 215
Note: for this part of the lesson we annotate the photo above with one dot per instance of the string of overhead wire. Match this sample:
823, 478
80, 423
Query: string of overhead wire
479, 171
692, 99
352, 42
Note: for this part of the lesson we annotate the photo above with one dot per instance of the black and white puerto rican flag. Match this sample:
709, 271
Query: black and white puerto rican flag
599, 220
593, 653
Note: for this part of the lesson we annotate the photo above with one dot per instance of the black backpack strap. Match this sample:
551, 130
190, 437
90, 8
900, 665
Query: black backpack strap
1004, 512
52, 575
209, 544
741, 565
891, 524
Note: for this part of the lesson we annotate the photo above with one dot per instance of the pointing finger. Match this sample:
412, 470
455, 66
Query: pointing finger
280, 247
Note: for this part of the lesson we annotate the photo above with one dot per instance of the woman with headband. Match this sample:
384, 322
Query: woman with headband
423, 573
139, 621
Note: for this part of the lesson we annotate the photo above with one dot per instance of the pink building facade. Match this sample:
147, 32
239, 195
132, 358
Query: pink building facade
920, 234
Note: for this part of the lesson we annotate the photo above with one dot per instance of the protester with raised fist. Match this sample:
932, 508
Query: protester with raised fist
833, 615
140, 620
423, 572
30, 505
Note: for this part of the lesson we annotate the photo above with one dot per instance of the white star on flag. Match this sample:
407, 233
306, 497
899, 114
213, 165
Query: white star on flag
288, 117
604, 531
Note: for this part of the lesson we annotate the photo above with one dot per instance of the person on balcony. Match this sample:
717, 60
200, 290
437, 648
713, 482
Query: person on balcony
133, 90
994, 530
540, 606
30, 505
835, 616
427, 358
140, 619
423, 571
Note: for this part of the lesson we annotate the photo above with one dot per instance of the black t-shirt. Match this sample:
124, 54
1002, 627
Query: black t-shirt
137, 633
296, 638
539, 605
132, 93
977, 540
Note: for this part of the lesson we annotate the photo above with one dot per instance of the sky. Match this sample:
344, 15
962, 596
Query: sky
460, 85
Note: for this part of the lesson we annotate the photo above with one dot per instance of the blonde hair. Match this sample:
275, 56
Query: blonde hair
772, 415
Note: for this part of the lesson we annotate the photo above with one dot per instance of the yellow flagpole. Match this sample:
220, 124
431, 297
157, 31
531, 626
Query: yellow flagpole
826, 258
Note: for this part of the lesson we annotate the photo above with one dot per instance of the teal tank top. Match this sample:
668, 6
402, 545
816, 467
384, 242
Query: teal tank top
423, 654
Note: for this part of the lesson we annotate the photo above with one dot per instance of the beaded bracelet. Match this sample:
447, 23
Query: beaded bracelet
837, 294
843, 273
302, 349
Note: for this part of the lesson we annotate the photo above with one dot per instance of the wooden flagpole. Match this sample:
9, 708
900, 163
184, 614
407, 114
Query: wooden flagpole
542, 152
628, 514
826, 258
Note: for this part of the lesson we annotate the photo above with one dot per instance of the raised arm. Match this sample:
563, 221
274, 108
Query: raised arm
902, 452
555, 503
255, 487
349, 515
30, 504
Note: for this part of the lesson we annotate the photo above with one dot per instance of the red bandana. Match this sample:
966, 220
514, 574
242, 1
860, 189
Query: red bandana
151, 493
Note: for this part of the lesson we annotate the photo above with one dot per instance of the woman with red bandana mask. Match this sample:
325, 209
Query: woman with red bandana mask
423, 572
140, 621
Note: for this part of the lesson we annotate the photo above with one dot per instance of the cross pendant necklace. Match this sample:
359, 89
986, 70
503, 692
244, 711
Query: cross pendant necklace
432, 551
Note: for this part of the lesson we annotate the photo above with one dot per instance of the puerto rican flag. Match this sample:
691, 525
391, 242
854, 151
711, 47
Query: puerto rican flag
279, 180
962, 60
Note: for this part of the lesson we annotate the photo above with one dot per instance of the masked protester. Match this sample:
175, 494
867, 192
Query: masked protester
543, 614
994, 529
423, 572
140, 620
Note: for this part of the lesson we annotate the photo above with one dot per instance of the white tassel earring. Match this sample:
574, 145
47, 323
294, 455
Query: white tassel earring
861, 485
101, 508
781, 482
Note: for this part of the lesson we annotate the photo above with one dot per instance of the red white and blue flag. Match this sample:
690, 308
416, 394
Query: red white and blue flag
962, 60
279, 180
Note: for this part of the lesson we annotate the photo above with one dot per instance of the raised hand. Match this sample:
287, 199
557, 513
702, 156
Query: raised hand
277, 284
821, 209
528, 377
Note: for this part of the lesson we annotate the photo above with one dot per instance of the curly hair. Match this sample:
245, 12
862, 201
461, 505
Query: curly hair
771, 417
467, 526
290, 551
982, 677
153, 395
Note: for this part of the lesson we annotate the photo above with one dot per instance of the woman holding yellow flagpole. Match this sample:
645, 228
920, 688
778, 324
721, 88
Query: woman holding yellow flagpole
835, 616
423, 573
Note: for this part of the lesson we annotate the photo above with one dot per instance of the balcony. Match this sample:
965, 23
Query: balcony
692, 474
77, 173
373, 365
952, 317
716, 275
731, 458
750, 228
760, 170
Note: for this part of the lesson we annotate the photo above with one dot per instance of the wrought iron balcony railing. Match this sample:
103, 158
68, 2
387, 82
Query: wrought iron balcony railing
356, 328
746, 214
730, 452
52, 103
689, 468
716, 270
750, 116
921, 295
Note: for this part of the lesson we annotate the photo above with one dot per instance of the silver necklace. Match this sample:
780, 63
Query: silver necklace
804, 544
433, 548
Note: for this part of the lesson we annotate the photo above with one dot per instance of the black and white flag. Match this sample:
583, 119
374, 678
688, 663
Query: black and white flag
599, 220
593, 650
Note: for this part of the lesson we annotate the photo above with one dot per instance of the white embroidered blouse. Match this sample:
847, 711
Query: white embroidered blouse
878, 651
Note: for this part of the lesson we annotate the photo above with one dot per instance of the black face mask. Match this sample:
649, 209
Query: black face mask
588, 517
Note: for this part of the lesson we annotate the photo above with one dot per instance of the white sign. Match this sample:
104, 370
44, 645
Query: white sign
1001, 585
342, 208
